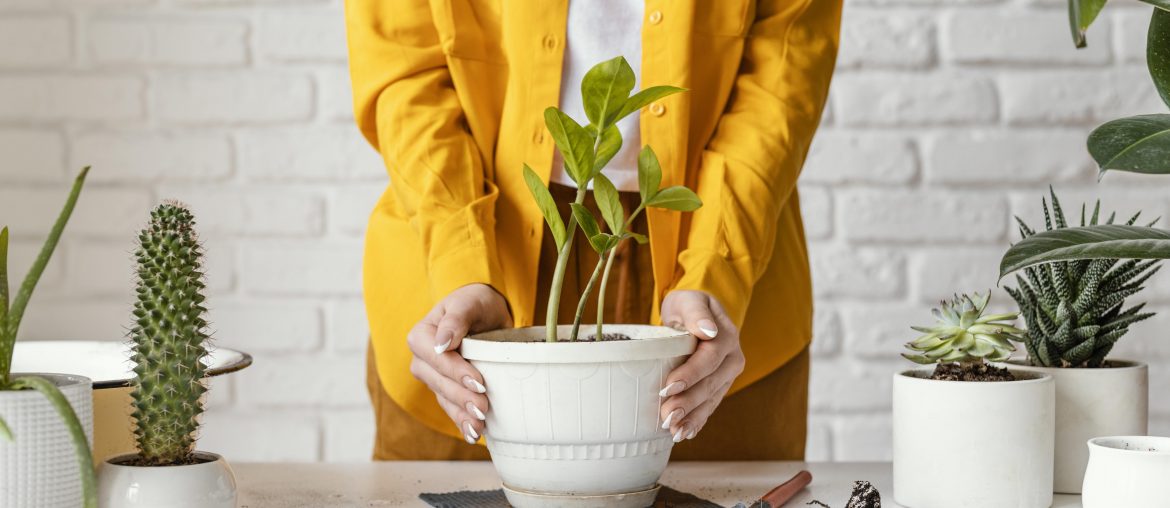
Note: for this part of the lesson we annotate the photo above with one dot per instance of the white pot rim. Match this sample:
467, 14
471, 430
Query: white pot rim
214, 457
922, 375
61, 380
527, 345
1143, 445
1114, 365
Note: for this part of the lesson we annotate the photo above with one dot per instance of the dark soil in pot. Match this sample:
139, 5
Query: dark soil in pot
977, 372
135, 460
605, 337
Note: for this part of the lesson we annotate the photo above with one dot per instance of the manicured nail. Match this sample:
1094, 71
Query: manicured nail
474, 385
672, 389
691, 435
669, 418
678, 436
471, 430
475, 410
708, 328
469, 439
442, 347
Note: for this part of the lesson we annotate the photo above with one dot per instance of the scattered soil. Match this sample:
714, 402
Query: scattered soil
136, 461
864, 496
605, 337
976, 372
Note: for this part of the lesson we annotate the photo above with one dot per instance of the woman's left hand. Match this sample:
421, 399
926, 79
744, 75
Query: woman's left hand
695, 388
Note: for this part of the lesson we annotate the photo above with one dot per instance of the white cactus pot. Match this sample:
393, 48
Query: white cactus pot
961, 444
1107, 401
208, 484
39, 467
577, 423
1127, 471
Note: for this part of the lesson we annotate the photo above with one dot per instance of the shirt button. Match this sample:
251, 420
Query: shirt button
538, 136
655, 17
658, 109
550, 42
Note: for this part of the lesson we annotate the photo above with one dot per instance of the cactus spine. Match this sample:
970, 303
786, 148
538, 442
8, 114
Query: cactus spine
169, 337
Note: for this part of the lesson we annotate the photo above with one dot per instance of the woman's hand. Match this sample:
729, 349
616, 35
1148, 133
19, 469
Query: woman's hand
695, 388
457, 385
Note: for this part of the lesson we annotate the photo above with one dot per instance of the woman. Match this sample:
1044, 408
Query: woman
452, 92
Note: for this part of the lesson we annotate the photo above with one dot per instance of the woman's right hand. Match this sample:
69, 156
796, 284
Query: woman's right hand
458, 387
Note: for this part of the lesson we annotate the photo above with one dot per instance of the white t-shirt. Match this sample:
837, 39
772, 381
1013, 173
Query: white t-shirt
599, 30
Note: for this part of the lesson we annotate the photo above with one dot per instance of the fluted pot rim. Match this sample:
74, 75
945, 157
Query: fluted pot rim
527, 345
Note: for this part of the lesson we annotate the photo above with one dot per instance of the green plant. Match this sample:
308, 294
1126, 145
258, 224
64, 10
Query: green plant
963, 335
606, 93
169, 337
11, 313
1073, 309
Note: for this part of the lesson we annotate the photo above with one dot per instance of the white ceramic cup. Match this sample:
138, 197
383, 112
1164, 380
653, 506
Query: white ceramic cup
1127, 471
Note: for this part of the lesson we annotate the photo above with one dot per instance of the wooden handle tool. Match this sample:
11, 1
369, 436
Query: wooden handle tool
786, 491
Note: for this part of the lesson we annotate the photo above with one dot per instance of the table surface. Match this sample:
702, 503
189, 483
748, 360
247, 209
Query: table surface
399, 483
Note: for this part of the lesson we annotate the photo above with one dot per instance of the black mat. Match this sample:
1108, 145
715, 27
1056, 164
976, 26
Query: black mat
667, 498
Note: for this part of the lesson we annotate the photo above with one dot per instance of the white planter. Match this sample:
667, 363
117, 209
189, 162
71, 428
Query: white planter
1109, 401
1128, 471
576, 423
38, 468
210, 484
973, 444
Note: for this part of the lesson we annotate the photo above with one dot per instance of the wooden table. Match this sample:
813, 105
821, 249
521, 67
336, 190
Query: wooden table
399, 483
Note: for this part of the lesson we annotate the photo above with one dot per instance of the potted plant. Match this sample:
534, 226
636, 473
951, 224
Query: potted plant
968, 433
46, 420
1074, 311
578, 420
169, 339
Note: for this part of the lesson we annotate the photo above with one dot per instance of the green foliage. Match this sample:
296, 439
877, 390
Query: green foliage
548, 207
169, 337
574, 142
1081, 14
609, 203
1138, 144
962, 334
1158, 52
605, 89
1074, 309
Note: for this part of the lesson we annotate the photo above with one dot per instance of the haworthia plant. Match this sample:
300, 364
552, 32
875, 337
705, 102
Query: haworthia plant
169, 337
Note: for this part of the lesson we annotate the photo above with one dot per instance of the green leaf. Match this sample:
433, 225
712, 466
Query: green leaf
1158, 52
73, 425
609, 203
1139, 144
1089, 242
604, 90
574, 142
603, 242
676, 198
548, 207
1081, 14
3, 277
611, 142
649, 173
5, 432
585, 220
638, 237
645, 97
1161, 4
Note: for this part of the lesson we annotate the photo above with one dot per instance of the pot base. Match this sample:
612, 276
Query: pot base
525, 499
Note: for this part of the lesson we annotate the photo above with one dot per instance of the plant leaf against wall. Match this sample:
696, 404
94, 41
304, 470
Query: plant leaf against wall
611, 142
609, 203
548, 207
649, 173
1139, 144
1158, 52
1089, 242
676, 198
1081, 14
605, 88
3, 278
574, 142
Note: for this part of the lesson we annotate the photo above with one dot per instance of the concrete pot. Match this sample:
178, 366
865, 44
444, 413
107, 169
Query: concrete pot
209, 484
577, 423
38, 468
1108, 401
1127, 471
964, 444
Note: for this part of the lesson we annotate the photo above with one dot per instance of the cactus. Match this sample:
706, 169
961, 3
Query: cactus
169, 337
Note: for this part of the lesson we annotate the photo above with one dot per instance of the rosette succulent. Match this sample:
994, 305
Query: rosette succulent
962, 334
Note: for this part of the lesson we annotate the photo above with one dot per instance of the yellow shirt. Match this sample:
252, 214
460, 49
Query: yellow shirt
451, 93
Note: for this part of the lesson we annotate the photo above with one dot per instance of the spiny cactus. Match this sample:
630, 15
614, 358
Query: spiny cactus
169, 337
964, 335
1073, 309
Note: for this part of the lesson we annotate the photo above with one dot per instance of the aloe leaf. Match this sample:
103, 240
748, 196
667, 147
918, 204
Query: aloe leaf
548, 206
3, 278
1158, 52
80, 442
609, 203
605, 88
1089, 242
1081, 14
1138, 144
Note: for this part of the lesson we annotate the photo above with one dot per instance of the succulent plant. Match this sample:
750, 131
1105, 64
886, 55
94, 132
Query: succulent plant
964, 335
169, 337
1074, 309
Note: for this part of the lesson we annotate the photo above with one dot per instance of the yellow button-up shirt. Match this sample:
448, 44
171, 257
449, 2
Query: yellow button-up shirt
451, 93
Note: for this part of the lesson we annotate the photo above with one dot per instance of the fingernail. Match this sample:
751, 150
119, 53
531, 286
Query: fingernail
471, 430
678, 436
669, 418
475, 410
691, 435
708, 328
474, 385
672, 389
442, 347
469, 439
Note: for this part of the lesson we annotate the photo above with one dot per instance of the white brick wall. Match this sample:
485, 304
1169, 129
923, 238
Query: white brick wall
947, 117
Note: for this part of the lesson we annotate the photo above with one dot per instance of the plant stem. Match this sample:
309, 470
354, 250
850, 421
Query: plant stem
601, 261
554, 294
601, 290
73, 425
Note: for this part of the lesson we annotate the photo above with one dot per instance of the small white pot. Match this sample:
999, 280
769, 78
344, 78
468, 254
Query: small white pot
39, 468
209, 484
973, 444
1107, 401
1127, 471
577, 423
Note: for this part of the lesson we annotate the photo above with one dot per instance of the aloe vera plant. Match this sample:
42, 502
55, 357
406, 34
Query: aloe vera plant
11, 313
606, 92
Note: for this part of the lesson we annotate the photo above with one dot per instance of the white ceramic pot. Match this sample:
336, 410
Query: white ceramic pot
973, 444
209, 484
576, 423
1108, 401
1127, 471
38, 468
